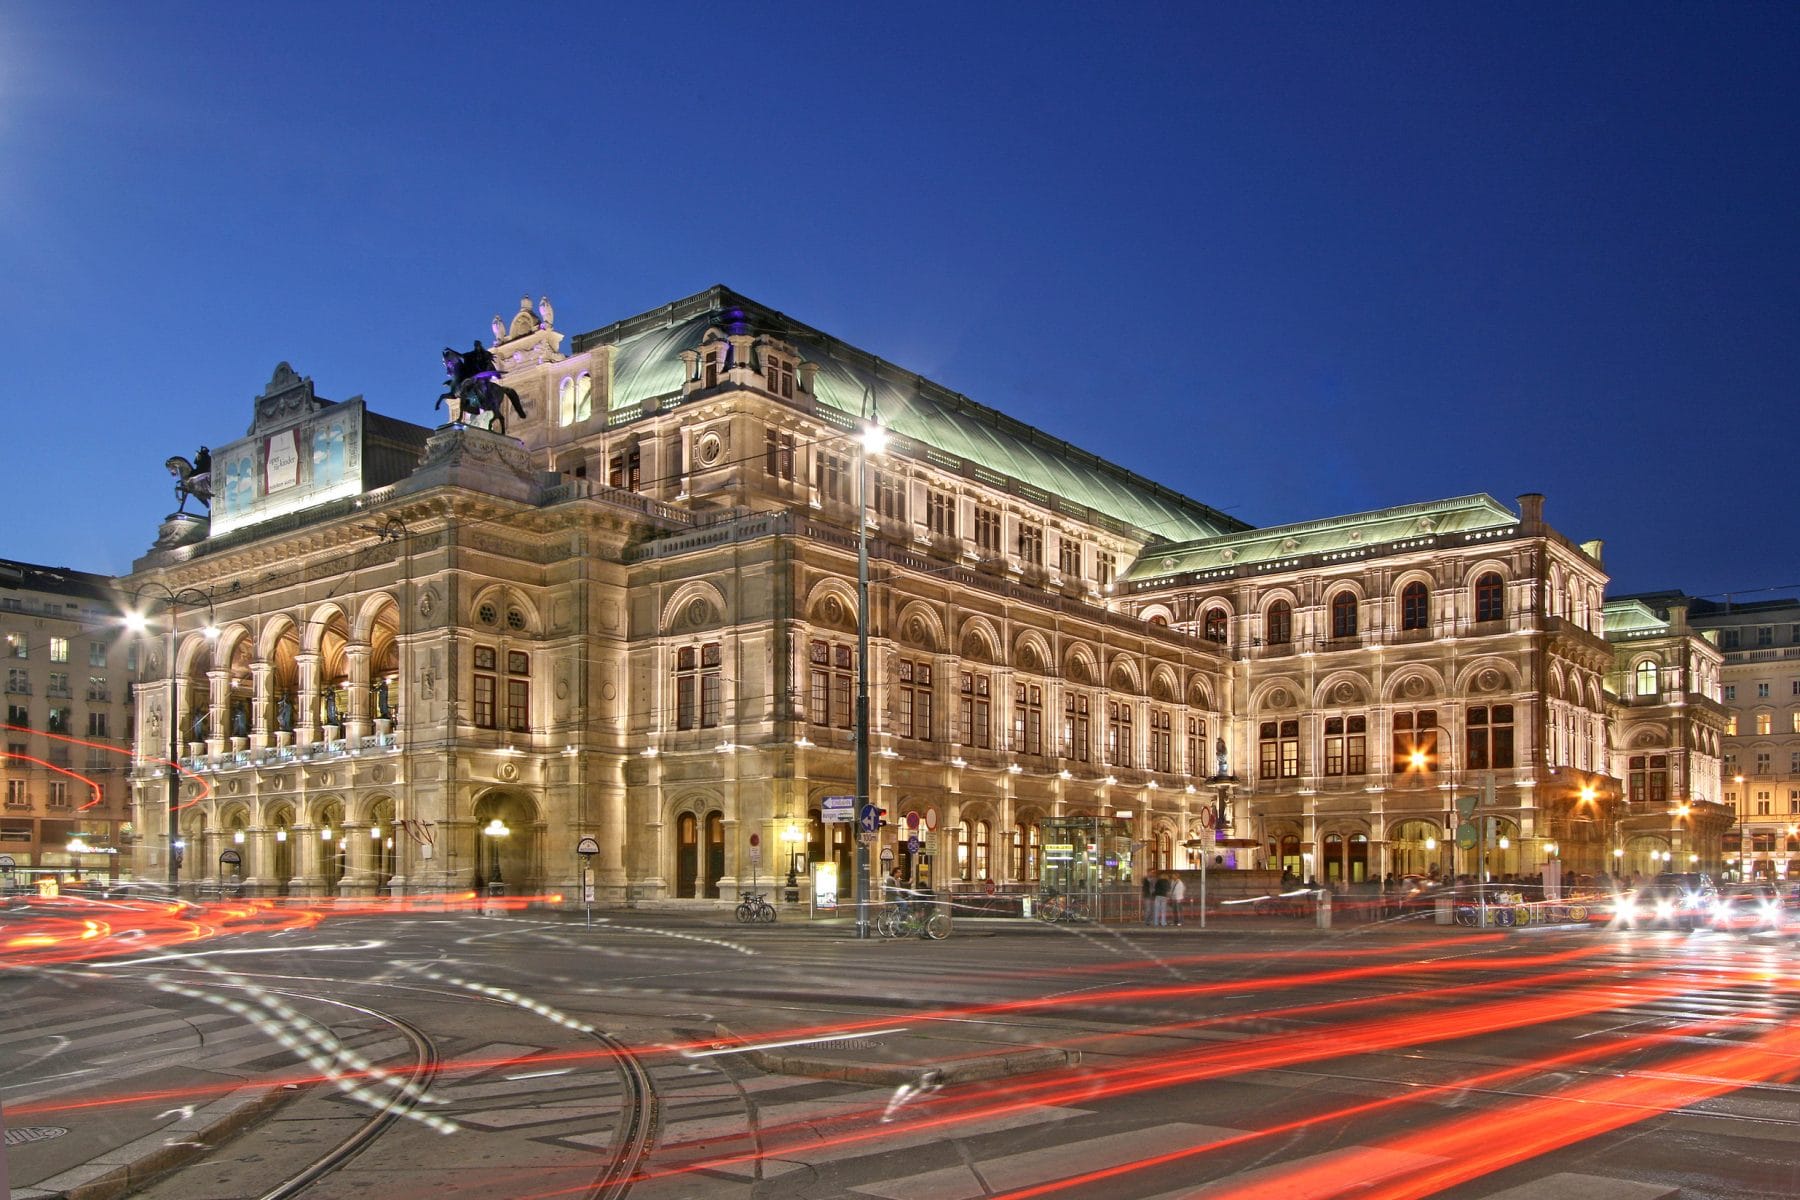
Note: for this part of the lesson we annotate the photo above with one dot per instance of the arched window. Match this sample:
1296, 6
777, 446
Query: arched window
584, 396
1214, 625
1278, 626
1490, 597
1415, 606
1343, 615
1646, 677
565, 402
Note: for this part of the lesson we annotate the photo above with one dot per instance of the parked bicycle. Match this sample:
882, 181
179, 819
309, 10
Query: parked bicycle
913, 920
1056, 906
753, 908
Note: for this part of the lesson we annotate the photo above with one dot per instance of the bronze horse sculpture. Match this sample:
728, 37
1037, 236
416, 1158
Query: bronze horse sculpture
473, 381
192, 478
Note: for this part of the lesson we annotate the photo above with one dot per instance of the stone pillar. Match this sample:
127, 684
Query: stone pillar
262, 705
357, 722
259, 859
218, 717
306, 721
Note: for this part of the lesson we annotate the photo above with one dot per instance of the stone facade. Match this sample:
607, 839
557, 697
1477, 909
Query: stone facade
635, 618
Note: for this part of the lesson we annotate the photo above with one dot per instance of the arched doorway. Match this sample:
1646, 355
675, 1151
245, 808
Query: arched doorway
715, 852
504, 830
1414, 848
281, 851
687, 855
332, 849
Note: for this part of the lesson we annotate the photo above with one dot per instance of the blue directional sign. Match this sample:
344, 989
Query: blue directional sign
869, 818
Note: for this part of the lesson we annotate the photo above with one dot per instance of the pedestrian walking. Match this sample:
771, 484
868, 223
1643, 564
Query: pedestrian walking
1177, 893
1160, 900
1149, 897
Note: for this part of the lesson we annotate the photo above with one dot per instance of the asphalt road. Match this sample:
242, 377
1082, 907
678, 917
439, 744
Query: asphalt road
448, 1054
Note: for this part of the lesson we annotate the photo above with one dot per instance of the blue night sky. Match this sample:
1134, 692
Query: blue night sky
1293, 260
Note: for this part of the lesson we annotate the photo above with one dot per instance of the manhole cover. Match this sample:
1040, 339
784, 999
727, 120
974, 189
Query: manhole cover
33, 1133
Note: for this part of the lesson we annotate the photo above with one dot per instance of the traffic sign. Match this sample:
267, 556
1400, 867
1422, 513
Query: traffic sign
837, 810
1466, 805
1467, 835
870, 818
912, 844
586, 846
931, 818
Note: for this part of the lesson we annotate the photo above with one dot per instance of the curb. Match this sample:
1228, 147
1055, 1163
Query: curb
124, 1169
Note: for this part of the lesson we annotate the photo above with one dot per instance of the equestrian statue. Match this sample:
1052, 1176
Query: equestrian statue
192, 479
473, 381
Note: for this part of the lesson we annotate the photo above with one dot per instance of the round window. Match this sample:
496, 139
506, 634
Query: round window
487, 614
515, 619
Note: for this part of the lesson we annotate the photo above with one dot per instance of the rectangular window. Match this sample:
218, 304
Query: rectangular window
915, 700
20, 715
712, 688
1762, 691
831, 477
1762, 762
828, 700
96, 688
890, 496
1031, 544
1077, 741
1118, 733
1728, 639
1731, 725
1765, 635
977, 711
96, 654
1415, 742
58, 684
18, 681
59, 650
780, 375
15, 794
1764, 805
1794, 762
940, 513
1106, 567
1028, 718
1346, 745
1162, 747
59, 793
778, 455
518, 705
1196, 762
987, 530
58, 723
486, 687
624, 469
1765, 723
1068, 561
1647, 779
1278, 750
1731, 691
97, 724
20, 647
1490, 734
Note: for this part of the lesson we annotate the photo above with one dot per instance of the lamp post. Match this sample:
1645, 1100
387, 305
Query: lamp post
172, 600
494, 831
872, 441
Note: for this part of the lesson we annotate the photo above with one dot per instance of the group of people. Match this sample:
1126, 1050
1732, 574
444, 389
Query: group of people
1163, 893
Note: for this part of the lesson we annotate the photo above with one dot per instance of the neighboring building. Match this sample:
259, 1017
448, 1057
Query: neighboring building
444, 657
66, 755
1760, 644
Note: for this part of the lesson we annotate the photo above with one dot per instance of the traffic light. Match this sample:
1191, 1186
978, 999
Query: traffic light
881, 820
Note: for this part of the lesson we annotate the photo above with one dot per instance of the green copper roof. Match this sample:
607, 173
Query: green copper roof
1627, 617
1359, 532
647, 363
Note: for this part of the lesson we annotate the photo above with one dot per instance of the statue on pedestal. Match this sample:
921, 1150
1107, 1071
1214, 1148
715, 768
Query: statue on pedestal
473, 381
192, 479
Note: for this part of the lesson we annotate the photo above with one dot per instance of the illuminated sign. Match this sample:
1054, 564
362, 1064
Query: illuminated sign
825, 885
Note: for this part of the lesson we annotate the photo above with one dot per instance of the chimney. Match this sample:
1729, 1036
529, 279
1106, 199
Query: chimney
1678, 615
1531, 510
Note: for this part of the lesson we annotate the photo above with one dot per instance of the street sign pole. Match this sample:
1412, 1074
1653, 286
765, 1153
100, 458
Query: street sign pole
587, 847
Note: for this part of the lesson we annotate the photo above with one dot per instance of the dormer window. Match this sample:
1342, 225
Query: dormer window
778, 374
710, 360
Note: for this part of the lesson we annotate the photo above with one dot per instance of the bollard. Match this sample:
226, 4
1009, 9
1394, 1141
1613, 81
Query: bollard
1322, 910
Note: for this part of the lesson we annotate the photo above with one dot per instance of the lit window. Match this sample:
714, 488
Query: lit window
1646, 678
1490, 597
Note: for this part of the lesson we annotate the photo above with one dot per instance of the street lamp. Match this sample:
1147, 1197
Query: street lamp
172, 599
872, 442
494, 831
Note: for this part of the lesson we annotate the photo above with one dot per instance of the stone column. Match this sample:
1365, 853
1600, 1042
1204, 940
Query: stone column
306, 721
357, 722
218, 717
262, 704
